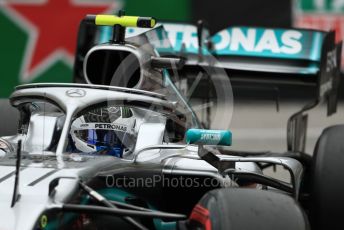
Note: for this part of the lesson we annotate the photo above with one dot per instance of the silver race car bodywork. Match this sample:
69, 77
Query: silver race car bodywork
152, 152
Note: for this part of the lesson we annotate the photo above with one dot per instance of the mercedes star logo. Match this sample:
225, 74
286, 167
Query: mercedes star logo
76, 93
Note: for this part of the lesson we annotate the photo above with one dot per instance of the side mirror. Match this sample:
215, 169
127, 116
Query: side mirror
203, 138
209, 137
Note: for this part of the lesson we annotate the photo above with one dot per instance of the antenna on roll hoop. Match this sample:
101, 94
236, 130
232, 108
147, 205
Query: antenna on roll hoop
16, 194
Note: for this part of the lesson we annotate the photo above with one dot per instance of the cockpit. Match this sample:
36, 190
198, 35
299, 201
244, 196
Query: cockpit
100, 122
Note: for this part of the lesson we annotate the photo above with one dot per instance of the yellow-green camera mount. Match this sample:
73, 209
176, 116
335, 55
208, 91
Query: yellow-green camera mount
119, 23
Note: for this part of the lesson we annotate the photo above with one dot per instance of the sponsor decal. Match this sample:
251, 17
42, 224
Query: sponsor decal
111, 126
278, 43
182, 37
210, 137
106, 126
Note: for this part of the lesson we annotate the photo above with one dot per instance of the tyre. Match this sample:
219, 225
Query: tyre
249, 209
327, 190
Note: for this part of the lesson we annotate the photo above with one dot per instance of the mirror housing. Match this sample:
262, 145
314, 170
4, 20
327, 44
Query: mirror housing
209, 137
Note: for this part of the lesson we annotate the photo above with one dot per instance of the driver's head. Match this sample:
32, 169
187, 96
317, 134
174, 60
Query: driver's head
108, 130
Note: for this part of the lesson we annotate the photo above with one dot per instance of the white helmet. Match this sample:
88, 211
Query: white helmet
107, 130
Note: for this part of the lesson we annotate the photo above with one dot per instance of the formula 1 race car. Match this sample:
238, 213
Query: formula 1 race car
127, 151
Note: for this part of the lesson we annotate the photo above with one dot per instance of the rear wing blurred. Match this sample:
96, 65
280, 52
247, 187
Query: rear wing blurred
285, 55
269, 50
291, 55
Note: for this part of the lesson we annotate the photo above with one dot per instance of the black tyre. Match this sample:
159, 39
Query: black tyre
237, 209
327, 191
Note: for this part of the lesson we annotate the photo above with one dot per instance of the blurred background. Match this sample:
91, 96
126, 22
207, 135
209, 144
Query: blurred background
38, 41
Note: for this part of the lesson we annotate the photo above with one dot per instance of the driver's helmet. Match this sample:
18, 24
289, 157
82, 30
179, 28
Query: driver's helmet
108, 130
